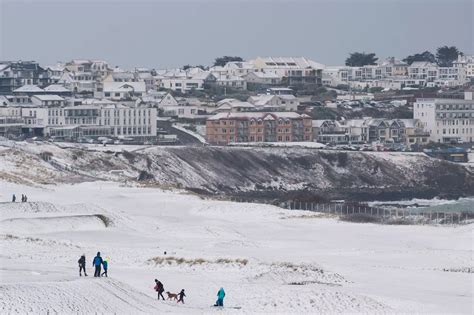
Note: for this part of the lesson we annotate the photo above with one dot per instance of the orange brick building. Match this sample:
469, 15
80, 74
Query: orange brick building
225, 128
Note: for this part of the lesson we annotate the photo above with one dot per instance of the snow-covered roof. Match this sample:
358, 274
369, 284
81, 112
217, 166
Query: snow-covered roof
201, 75
422, 64
239, 65
287, 97
409, 123
257, 115
122, 86
29, 88
56, 88
317, 123
289, 62
58, 67
261, 100
48, 97
4, 66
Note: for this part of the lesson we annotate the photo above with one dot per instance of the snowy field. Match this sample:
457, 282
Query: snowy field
268, 260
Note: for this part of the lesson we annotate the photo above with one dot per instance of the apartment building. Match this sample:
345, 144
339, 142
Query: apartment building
15, 74
423, 70
466, 62
91, 118
293, 70
11, 122
447, 120
368, 130
225, 128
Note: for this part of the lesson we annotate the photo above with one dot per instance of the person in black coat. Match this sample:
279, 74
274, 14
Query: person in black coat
181, 296
82, 265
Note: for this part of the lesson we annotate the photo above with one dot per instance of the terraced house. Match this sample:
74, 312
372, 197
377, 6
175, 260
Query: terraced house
225, 128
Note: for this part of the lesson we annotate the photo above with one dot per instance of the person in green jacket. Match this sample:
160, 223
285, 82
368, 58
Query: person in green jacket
220, 297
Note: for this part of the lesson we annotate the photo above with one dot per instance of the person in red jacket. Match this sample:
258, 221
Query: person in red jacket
159, 288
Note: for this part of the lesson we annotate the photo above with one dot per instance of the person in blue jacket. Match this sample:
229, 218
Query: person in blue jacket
105, 263
97, 263
220, 297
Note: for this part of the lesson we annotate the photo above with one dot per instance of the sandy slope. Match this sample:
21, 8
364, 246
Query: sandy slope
294, 263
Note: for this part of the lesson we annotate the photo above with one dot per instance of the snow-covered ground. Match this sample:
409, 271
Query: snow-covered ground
269, 260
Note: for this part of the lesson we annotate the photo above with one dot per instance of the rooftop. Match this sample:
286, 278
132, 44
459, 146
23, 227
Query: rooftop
258, 115
48, 97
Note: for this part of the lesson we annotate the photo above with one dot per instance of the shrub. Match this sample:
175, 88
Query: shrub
360, 218
342, 159
170, 260
144, 176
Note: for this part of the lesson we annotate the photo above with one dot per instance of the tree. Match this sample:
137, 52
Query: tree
361, 59
221, 61
424, 56
446, 55
188, 66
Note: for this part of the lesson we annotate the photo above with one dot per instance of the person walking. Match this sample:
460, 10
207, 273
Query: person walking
26, 199
82, 265
22, 198
181, 296
97, 263
159, 287
13, 198
220, 297
105, 264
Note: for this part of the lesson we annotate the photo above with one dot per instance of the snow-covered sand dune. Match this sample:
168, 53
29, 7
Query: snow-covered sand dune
268, 259
53, 224
82, 296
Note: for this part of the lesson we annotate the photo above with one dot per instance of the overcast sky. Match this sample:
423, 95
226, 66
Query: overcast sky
161, 34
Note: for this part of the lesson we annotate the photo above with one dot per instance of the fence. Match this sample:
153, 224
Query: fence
382, 215
411, 215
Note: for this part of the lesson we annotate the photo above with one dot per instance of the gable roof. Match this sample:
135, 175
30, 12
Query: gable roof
257, 115
48, 97
121, 86
290, 62
29, 88
56, 88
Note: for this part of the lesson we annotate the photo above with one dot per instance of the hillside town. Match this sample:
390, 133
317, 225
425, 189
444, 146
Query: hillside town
389, 105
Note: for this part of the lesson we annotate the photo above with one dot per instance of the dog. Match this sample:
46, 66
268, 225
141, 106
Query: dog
172, 296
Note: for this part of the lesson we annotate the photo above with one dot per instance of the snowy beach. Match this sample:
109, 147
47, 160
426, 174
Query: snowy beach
269, 260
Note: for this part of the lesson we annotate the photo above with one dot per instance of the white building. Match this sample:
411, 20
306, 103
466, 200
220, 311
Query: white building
233, 105
262, 78
123, 121
158, 99
466, 62
124, 90
447, 120
47, 100
423, 70
186, 81
282, 66
189, 112
274, 102
235, 68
